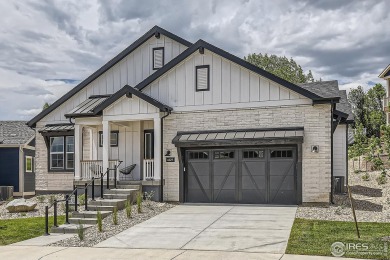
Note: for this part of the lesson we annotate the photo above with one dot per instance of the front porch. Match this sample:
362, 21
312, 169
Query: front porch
127, 141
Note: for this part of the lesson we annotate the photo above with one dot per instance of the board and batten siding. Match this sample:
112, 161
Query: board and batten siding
130, 106
339, 151
131, 70
231, 86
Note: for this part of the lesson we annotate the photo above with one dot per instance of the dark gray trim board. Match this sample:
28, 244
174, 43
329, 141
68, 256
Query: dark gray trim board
151, 33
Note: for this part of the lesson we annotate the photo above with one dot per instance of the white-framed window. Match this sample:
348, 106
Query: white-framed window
114, 137
29, 164
148, 144
57, 152
158, 58
70, 152
202, 79
61, 153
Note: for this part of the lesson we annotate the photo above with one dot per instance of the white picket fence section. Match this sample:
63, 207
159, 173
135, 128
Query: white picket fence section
148, 169
93, 168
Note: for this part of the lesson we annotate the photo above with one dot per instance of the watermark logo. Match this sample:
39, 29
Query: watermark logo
339, 249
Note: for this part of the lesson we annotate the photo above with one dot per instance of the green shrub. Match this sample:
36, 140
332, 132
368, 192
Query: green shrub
80, 231
357, 171
100, 221
81, 199
41, 199
115, 216
23, 214
139, 202
382, 178
366, 177
377, 163
128, 209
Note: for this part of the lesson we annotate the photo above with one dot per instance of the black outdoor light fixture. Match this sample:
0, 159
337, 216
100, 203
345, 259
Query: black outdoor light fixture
315, 148
168, 153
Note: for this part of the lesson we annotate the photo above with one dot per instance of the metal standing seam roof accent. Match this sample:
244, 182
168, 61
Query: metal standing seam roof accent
237, 134
56, 128
87, 107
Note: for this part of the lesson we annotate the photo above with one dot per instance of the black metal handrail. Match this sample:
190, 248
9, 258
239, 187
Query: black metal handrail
74, 193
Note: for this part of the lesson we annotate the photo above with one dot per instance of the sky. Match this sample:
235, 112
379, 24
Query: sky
48, 47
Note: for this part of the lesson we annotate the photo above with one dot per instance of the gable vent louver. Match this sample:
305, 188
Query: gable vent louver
158, 58
202, 78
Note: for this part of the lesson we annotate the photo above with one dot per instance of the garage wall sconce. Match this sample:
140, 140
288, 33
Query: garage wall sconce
315, 148
168, 153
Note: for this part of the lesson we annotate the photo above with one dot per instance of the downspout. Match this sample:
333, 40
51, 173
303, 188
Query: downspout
331, 151
162, 157
346, 155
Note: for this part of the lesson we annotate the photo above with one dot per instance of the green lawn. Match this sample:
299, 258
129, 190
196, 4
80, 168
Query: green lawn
15, 230
315, 237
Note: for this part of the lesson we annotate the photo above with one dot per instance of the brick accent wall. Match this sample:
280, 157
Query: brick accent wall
316, 120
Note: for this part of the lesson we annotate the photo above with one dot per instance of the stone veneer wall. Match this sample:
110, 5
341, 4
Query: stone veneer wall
316, 120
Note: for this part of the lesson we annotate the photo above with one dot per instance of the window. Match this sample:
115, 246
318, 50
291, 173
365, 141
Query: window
281, 154
113, 138
29, 164
70, 152
198, 155
148, 144
224, 155
158, 58
250, 154
61, 153
202, 80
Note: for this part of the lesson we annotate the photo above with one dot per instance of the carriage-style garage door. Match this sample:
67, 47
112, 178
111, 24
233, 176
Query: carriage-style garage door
244, 175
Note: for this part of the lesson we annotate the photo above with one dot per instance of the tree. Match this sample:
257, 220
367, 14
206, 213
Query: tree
374, 114
46, 105
356, 98
360, 143
280, 66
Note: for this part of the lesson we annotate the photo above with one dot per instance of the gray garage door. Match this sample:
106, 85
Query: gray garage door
244, 175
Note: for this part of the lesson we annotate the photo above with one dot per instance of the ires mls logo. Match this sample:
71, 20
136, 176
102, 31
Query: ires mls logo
339, 249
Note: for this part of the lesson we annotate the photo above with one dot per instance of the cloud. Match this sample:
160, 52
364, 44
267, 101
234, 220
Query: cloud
47, 46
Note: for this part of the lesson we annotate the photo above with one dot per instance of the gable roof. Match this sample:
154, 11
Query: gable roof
385, 73
152, 32
15, 132
200, 44
130, 90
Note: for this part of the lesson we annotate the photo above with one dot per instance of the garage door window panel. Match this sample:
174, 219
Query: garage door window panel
223, 155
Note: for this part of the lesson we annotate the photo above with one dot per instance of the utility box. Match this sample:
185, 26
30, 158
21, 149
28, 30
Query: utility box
338, 183
6, 192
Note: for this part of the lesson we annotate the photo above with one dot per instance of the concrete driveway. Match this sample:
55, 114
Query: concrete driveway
262, 229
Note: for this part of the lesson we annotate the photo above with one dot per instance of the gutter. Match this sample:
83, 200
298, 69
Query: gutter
162, 157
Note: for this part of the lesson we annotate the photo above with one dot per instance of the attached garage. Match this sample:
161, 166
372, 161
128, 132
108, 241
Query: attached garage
265, 173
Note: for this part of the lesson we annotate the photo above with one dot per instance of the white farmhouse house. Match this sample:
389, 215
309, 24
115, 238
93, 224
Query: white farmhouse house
199, 125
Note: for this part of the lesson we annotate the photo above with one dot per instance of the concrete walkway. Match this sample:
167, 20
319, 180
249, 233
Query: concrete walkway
241, 229
85, 253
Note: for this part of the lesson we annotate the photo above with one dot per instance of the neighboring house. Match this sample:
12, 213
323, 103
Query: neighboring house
386, 76
17, 157
212, 126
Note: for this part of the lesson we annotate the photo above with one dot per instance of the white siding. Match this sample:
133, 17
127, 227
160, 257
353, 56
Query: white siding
339, 151
130, 106
231, 86
131, 70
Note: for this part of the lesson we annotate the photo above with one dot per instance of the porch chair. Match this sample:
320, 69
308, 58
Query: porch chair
128, 170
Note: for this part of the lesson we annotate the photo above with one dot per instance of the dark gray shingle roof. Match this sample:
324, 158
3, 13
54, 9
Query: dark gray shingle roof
15, 132
328, 89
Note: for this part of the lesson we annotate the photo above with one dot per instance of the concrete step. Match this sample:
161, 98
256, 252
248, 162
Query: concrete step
101, 208
90, 214
117, 196
129, 182
129, 186
69, 228
119, 203
121, 191
90, 221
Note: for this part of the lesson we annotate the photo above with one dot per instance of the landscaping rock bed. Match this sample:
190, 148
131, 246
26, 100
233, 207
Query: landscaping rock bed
39, 211
372, 201
92, 236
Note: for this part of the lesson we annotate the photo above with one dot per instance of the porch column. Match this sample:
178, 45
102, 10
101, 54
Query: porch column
78, 150
157, 148
106, 144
